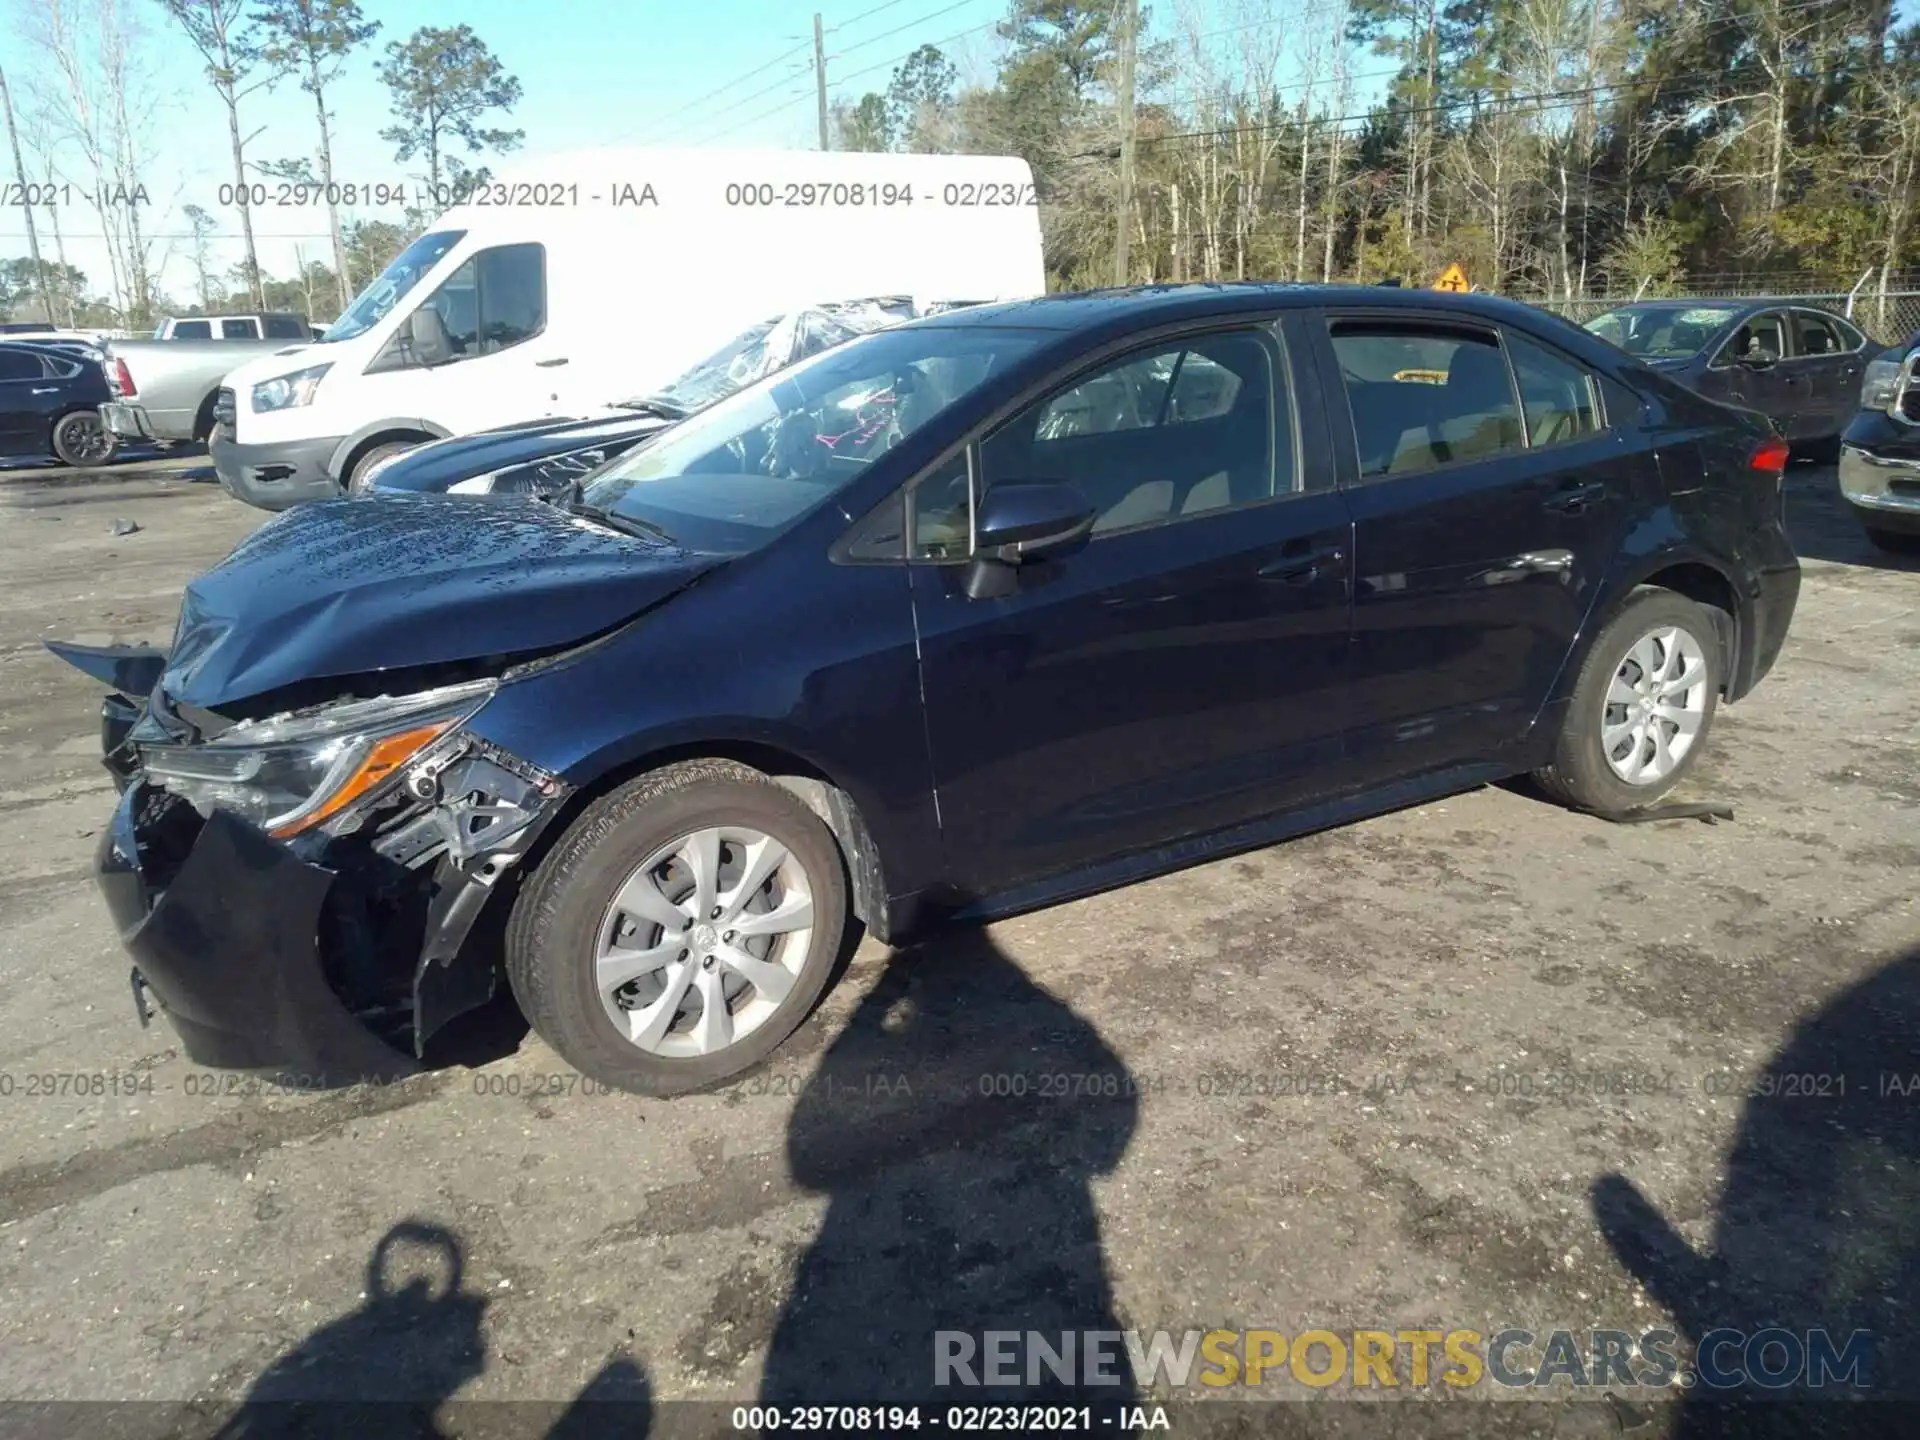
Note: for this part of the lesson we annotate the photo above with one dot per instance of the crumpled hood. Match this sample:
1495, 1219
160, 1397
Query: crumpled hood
343, 587
447, 462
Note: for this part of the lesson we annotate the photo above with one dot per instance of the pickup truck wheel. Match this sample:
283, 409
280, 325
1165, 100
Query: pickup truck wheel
359, 482
1641, 708
681, 929
81, 439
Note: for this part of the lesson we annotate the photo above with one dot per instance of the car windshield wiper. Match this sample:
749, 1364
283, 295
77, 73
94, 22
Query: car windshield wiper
653, 405
569, 500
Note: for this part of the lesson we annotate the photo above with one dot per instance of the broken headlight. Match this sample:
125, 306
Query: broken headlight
291, 773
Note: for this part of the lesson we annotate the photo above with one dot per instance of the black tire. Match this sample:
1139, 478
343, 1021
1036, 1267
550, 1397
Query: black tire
81, 439
1894, 542
357, 478
554, 928
1579, 774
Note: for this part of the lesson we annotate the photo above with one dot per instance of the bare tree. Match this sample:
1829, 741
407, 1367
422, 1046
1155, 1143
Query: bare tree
313, 38
229, 43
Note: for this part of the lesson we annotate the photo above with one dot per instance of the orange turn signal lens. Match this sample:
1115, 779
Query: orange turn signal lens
386, 756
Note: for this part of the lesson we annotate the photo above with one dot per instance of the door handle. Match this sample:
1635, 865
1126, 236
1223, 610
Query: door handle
45, 390
549, 364
1300, 569
1576, 499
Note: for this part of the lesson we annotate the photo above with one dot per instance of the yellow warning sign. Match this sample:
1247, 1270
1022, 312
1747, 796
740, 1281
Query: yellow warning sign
1453, 278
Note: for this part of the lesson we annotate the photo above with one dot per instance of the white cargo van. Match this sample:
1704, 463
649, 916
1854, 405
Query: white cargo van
575, 281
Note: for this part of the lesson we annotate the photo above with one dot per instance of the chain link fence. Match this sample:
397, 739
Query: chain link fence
1888, 317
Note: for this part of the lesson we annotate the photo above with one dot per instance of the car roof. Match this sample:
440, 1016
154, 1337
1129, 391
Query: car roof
1141, 305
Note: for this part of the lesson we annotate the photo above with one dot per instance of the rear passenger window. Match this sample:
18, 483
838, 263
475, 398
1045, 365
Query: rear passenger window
1814, 335
193, 329
239, 330
20, 365
1556, 394
1165, 435
1425, 398
286, 327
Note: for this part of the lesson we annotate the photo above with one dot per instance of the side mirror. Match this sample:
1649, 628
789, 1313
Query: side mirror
1016, 523
427, 337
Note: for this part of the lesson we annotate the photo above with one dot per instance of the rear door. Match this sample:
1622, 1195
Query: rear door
1184, 671
1488, 495
1831, 376
26, 396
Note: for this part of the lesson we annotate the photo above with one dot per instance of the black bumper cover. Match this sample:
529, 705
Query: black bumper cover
229, 949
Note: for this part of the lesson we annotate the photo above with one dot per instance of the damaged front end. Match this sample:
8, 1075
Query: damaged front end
298, 887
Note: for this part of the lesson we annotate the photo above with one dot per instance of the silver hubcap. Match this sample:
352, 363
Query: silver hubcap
703, 941
1655, 706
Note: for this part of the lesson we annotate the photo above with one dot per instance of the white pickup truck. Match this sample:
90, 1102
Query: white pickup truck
164, 389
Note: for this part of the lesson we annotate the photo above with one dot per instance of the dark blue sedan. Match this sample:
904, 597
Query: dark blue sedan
50, 399
1796, 364
957, 619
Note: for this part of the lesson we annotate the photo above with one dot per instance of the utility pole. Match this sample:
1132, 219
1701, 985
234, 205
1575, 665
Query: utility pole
1129, 26
820, 75
26, 208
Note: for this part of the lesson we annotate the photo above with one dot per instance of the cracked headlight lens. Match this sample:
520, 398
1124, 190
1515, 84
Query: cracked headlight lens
294, 772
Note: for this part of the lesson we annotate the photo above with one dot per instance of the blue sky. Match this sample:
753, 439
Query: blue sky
593, 73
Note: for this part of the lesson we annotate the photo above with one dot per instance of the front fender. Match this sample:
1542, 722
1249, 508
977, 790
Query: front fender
343, 452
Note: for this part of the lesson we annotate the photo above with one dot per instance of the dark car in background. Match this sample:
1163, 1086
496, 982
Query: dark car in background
50, 399
1107, 585
1880, 451
543, 455
1798, 365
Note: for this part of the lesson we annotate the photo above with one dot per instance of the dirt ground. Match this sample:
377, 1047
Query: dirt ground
1475, 1065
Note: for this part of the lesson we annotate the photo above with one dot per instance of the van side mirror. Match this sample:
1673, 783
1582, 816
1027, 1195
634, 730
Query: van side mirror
1017, 523
427, 337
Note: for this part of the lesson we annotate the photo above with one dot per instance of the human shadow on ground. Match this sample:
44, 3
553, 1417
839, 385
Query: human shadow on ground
1817, 1229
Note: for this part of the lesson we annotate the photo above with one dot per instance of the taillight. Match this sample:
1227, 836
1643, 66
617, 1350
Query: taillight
1770, 456
122, 378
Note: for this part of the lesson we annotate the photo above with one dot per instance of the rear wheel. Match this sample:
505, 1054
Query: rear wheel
681, 929
1641, 708
82, 438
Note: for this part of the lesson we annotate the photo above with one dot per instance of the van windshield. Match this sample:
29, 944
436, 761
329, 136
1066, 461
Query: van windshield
732, 477
386, 290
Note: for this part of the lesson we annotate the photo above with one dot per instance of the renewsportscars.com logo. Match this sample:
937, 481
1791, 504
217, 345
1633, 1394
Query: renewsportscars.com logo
1773, 1358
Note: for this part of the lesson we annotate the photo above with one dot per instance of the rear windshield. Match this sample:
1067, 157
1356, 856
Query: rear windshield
1662, 332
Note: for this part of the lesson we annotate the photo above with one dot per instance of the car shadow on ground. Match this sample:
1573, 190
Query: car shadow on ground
954, 1123
1823, 526
1817, 1228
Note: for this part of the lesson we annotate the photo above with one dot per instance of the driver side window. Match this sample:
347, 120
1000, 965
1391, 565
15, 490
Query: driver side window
497, 299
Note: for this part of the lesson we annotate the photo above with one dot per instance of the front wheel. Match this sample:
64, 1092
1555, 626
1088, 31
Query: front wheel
1641, 708
360, 481
681, 929
81, 439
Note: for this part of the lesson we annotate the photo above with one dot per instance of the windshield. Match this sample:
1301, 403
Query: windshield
769, 346
393, 282
1662, 332
732, 477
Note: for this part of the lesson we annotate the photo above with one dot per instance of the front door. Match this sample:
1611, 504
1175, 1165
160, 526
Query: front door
1186, 669
1488, 496
1753, 372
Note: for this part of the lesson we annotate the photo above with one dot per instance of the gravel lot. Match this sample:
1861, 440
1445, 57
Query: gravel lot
1501, 1065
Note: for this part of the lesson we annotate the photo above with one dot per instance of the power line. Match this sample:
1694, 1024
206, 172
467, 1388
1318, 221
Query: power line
887, 34
739, 79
